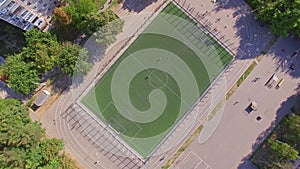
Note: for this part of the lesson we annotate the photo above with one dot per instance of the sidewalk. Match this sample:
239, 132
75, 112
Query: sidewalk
237, 133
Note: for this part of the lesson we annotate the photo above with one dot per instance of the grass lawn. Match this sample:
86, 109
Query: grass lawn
157, 80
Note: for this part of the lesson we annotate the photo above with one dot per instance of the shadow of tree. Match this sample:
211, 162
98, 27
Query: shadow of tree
96, 51
254, 35
255, 38
137, 5
60, 82
285, 50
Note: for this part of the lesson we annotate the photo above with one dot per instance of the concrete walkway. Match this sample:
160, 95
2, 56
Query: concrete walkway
239, 133
83, 140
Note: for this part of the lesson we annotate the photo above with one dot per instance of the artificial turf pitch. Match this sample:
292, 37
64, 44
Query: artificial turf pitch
171, 54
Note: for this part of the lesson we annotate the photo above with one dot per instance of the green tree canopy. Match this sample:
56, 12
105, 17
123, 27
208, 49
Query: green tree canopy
21, 75
73, 60
62, 16
41, 49
282, 151
106, 35
94, 21
22, 142
78, 10
41, 54
291, 131
16, 128
282, 15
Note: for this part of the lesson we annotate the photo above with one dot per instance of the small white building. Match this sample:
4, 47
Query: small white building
42, 98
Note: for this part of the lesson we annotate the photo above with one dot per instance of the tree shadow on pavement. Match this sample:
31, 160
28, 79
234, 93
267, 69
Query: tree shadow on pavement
96, 50
255, 38
137, 5
60, 83
286, 50
284, 110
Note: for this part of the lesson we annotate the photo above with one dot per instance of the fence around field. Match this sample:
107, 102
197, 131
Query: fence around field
203, 27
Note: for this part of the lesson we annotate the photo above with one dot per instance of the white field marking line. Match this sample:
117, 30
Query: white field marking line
106, 69
116, 132
100, 75
111, 103
192, 107
136, 132
205, 112
158, 143
123, 142
202, 115
111, 120
206, 108
202, 161
204, 54
177, 96
235, 74
164, 84
160, 80
106, 107
173, 91
130, 140
73, 143
191, 153
190, 156
211, 34
94, 109
186, 40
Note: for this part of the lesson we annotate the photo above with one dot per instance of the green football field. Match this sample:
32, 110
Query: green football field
157, 80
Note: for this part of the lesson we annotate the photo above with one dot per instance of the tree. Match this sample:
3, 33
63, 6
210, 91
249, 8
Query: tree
94, 21
280, 151
12, 157
41, 50
291, 131
106, 35
73, 60
23, 143
21, 76
16, 128
46, 151
41, 54
34, 36
283, 16
79, 9
61, 16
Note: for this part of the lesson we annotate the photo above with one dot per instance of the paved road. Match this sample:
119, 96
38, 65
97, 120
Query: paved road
244, 41
237, 133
